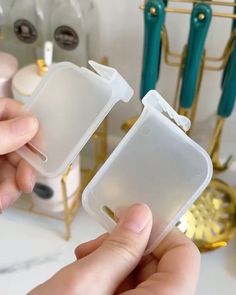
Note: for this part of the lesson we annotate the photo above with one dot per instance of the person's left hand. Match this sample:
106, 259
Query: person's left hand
16, 176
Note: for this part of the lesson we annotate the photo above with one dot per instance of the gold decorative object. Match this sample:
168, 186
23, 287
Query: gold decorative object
42, 67
211, 221
127, 125
153, 10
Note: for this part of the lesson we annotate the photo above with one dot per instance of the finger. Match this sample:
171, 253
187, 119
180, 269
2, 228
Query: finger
179, 258
87, 248
102, 271
10, 108
16, 132
177, 271
14, 159
25, 177
121, 251
127, 284
9, 193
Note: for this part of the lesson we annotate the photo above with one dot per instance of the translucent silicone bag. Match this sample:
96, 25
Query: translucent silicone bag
156, 163
70, 103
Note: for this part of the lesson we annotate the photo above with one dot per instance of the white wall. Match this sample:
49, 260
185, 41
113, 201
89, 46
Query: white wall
122, 41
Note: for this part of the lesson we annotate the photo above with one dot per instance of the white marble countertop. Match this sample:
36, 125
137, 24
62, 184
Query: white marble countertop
33, 249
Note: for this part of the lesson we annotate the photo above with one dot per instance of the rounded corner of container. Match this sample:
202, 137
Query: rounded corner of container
129, 95
63, 64
208, 165
204, 154
53, 173
85, 201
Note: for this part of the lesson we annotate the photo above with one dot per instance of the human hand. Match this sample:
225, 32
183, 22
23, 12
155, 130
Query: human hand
16, 176
113, 264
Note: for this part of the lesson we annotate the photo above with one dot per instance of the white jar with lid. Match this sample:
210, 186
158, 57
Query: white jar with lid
27, 78
25, 81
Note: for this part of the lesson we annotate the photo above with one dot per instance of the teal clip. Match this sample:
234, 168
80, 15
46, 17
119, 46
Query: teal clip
228, 96
200, 21
225, 71
160, 51
232, 32
152, 43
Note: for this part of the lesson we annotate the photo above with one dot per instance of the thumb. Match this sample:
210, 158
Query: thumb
104, 270
121, 252
16, 132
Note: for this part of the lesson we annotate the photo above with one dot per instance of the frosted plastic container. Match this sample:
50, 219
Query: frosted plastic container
70, 103
156, 163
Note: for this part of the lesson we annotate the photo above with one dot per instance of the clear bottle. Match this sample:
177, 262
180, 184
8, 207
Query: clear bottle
4, 24
92, 21
69, 32
25, 34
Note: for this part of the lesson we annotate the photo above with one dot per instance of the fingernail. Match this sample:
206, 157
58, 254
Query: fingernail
1, 207
4, 203
24, 125
136, 218
31, 183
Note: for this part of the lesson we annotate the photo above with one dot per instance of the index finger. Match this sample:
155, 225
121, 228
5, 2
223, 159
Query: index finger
10, 108
178, 267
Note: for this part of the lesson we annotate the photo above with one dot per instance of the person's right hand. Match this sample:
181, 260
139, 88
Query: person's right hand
114, 264
16, 176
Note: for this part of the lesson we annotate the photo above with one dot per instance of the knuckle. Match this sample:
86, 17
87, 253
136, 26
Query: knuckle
67, 277
3, 139
123, 247
2, 149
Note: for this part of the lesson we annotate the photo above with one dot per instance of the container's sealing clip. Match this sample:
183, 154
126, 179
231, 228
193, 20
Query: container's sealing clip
120, 88
153, 100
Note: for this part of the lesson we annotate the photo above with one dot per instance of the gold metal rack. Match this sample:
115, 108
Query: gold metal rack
176, 59
219, 199
179, 57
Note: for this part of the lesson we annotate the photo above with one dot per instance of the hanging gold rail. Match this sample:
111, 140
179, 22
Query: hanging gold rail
177, 58
188, 11
221, 3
